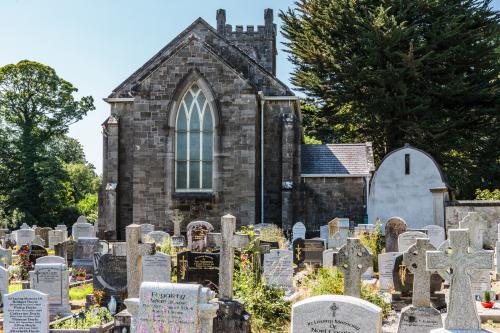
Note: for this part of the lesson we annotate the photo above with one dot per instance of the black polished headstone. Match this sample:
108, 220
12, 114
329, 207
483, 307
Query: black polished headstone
308, 251
198, 267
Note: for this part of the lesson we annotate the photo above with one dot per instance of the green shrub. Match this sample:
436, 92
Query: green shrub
329, 281
270, 311
487, 194
85, 320
374, 242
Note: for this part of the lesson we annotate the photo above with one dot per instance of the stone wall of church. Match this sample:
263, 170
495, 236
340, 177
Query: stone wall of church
326, 198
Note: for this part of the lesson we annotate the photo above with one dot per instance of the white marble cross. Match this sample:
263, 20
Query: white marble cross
228, 240
455, 263
414, 260
353, 260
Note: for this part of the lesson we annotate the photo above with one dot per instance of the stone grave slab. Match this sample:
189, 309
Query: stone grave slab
393, 228
308, 251
197, 232
82, 230
83, 256
196, 267
146, 228
111, 276
157, 237
25, 236
353, 260
436, 234
298, 231
36, 252
278, 268
409, 238
386, 263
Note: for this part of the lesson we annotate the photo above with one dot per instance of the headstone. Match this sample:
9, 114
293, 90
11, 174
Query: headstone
172, 308
111, 276
197, 232
278, 268
308, 251
329, 258
38, 241
26, 311
64, 229
158, 237
156, 268
66, 250
385, 268
455, 264
119, 249
82, 229
24, 226
420, 317
135, 251
353, 260
55, 237
52, 279
51, 260
324, 232
25, 236
393, 228
146, 228
409, 238
44, 234
202, 268
333, 227
83, 256
36, 252
336, 313
338, 240
4, 282
298, 231
436, 234
6, 256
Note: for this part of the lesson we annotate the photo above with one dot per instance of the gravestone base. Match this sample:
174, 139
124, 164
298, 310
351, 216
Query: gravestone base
419, 320
399, 302
231, 317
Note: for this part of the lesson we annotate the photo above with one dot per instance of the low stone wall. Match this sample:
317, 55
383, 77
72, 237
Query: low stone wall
489, 210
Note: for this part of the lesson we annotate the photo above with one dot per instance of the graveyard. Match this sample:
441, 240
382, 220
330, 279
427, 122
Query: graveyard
380, 277
349, 184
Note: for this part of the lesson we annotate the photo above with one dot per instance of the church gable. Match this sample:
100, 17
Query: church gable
233, 56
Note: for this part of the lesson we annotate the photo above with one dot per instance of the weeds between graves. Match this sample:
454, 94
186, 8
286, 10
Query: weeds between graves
85, 320
80, 292
271, 313
375, 242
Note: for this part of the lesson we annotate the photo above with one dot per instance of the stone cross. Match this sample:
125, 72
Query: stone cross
135, 251
455, 263
414, 260
353, 260
177, 218
228, 240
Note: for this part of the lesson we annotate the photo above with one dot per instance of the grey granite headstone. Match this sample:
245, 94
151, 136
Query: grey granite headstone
336, 313
83, 256
55, 237
454, 265
26, 311
393, 228
156, 267
4, 281
146, 228
436, 234
338, 240
385, 268
278, 268
354, 259
82, 230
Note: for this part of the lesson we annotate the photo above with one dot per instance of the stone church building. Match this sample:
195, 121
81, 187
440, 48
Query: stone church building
205, 127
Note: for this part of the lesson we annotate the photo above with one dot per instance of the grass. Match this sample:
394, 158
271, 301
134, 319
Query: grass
79, 293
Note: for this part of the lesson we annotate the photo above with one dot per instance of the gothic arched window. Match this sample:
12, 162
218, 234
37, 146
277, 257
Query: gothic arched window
194, 142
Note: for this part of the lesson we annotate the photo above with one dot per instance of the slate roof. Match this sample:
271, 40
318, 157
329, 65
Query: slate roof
337, 159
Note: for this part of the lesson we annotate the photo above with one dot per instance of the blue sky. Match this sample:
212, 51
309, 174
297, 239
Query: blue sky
96, 44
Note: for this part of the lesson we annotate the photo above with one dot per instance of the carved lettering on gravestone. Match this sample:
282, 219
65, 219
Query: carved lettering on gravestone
197, 232
354, 259
278, 268
308, 251
156, 267
386, 263
36, 252
26, 311
202, 268
455, 264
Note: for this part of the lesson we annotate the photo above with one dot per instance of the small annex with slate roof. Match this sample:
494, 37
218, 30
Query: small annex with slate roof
336, 179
